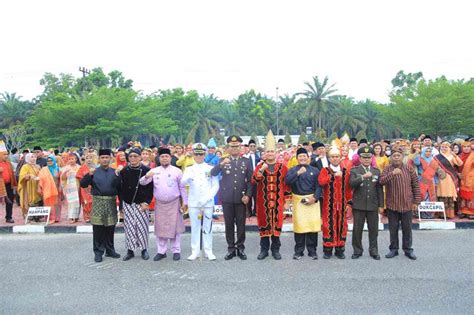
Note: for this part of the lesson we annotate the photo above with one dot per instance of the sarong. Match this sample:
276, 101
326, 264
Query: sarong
104, 210
306, 218
135, 226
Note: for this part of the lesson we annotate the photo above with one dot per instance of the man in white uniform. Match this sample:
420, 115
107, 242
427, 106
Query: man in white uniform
202, 189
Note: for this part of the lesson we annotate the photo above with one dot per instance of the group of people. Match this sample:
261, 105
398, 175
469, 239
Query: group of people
323, 184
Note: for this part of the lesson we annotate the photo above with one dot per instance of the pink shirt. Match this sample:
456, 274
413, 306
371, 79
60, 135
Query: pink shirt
166, 184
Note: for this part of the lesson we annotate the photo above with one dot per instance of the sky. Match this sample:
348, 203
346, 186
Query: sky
227, 47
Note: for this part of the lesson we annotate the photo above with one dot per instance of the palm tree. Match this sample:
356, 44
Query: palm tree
348, 117
13, 110
230, 119
318, 102
207, 119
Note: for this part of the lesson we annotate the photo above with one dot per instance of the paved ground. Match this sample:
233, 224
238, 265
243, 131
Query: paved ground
55, 274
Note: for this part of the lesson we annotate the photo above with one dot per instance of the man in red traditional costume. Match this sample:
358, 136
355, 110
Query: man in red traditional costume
273, 196
337, 196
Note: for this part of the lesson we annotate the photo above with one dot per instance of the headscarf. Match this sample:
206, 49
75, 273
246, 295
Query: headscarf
28, 157
463, 155
423, 154
54, 169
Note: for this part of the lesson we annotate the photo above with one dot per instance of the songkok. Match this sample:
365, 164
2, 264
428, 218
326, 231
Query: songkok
105, 152
353, 139
199, 148
37, 148
317, 145
162, 151
301, 151
397, 149
251, 141
363, 141
281, 141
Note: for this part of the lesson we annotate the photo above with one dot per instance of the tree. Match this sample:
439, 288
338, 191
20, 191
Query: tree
14, 136
317, 101
13, 110
347, 117
302, 139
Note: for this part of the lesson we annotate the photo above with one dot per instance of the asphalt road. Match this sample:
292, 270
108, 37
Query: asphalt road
55, 274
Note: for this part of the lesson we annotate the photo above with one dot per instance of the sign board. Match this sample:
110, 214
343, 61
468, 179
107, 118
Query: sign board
430, 206
38, 212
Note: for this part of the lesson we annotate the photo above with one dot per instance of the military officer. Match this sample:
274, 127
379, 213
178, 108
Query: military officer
367, 198
202, 189
235, 192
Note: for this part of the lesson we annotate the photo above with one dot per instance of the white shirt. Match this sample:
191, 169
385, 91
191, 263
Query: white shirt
351, 153
335, 168
202, 186
324, 161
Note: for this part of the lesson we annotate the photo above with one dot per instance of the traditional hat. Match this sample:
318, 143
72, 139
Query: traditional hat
353, 139
251, 141
305, 143
212, 143
105, 152
3, 147
162, 151
397, 149
135, 150
270, 143
345, 139
363, 141
365, 152
37, 148
334, 150
199, 148
317, 145
234, 140
281, 141
301, 151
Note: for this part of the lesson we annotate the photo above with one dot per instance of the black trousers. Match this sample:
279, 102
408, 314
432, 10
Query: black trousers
372, 217
103, 239
251, 205
234, 213
394, 220
265, 243
9, 202
308, 240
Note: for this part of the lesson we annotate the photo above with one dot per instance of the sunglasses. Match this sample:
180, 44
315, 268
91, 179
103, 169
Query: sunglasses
133, 156
199, 154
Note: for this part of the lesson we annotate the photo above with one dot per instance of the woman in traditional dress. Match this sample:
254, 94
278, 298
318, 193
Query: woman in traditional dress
147, 158
380, 159
466, 193
50, 188
449, 186
71, 187
90, 162
28, 184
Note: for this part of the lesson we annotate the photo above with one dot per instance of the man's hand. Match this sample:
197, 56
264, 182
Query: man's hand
397, 171
225, 161
311, 201
149, 174
91, 171
287, 204
381, 210
184, 209
143, 206
118, 170
367, 175
338, 174
263, 167
245, 200
414, 207
302, 170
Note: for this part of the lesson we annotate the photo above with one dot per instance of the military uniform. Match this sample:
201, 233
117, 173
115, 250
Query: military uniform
367, 197
235, 184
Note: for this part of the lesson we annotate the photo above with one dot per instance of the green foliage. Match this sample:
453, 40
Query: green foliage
104, 109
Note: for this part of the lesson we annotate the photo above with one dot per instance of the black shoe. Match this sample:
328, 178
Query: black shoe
392, 254
411, 256
376, 256
327, 255
230, 255
145, 255
129, 255
176, 256
9, 221
263, 254
297, 256
98, 258
112, 255
276, 255
241, 254
340, 255
313, 256
355, 256
159, 257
